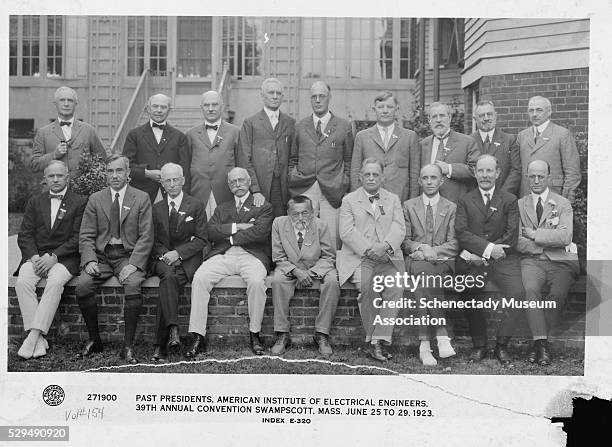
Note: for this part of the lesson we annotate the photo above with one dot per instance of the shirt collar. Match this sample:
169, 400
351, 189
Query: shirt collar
271, 113
383, 128
71, 120
443, 137
177, 201
544, 196
431, 201
483, 135
242, 199
121, 193
542, 127
160, 124
61, 193
490, 192
216, 123
324, 119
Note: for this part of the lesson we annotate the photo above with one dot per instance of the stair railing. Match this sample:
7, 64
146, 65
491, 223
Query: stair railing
133, 112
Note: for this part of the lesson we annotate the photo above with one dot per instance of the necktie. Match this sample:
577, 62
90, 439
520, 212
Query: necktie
487, 199
374, 197
65, 123
539, 209
386, 137
161, 126
273, 120
319, 133
173, 221
429, 224
441, 154
114, 217
211, 127
537, 135
487, 144
56, 196
300, 239
239, 206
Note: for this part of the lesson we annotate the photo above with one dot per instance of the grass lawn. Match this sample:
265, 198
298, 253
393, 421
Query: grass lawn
14, 222
238, 359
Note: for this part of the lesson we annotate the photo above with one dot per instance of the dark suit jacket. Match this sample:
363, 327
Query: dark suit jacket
476, 226
556, 146
259, 145
504, 148
326, 159
255, 240
462, 154
36, 237
401, 159
136, 226
84, 139
210, 163
144, 153
190, 238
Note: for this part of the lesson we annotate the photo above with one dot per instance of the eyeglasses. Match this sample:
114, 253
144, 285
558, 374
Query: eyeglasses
318, 97
533, 177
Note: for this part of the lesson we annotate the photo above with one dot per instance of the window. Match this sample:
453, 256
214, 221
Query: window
194, 47
147, 43
243, 42
367, 49
451, 42
36, 45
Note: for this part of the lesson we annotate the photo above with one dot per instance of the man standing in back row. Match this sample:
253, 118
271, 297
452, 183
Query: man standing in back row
320, 161
554, 144
265, 143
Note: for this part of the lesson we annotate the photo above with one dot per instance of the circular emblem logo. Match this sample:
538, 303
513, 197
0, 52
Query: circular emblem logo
53, 395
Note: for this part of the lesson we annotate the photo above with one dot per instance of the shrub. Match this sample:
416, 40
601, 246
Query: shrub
91, 175
23, 183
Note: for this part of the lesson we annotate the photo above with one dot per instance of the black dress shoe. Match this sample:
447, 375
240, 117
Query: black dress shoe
174, 342
501, 353
385, 349
256, 344
196, 347
478, 354
543, 357
91, 347
322, 342
375, 351
128, 354
159, 355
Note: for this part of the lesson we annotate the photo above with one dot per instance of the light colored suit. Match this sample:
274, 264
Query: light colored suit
544, 260
317, 256
401, 159
210, 162
360, 228
445, 245
83, 139
557, 147
462, 153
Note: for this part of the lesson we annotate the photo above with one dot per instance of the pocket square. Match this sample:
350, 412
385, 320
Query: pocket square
188, 219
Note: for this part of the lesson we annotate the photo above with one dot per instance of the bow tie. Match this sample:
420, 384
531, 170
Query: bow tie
374, 197
161, 126
65, 123
211, 126
56, 196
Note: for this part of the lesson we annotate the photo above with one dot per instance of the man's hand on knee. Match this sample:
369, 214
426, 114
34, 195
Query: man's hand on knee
92, 268
126, 272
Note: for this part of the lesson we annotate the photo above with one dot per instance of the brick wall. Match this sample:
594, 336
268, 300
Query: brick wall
228, 317
568, 91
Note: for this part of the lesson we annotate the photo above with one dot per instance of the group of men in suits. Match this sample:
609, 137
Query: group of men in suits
458, 193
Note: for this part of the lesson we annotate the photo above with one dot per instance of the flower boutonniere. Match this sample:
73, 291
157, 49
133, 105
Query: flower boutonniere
127, 208
246, 209
60, 214
182, 213
447, 149
496, 143
219, 138
394, 136
553, 220
493, 209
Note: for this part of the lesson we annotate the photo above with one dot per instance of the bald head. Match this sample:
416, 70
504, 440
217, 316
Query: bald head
158, 107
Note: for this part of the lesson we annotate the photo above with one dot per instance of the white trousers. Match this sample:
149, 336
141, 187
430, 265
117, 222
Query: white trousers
324, 211
39, 315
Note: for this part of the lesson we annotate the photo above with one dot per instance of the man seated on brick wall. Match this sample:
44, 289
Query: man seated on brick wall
66, 138
240, 235
430, 247
116, 239
546, 232
180, 237
372, 229
49, 243
487, 226
303, 250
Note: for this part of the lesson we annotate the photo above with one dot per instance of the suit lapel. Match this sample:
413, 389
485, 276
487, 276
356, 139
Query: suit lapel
496, 142
440, 215
128, 203
544, 138
183, 212
203, 136
291, 237
365, 202
106, 202
63, 206
450, 146
530, 210
330, 128
546, 212
477, 199
77, 126
419, 210
265, 122
494, 203
150, 136
375, 135
164, 218
395, 136
45, 204
164, 138
57, 130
